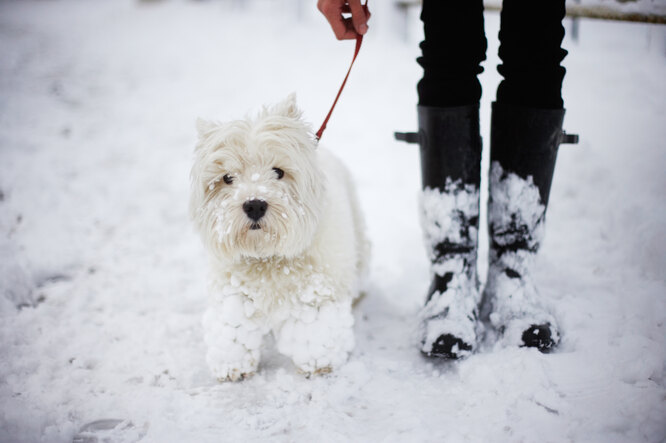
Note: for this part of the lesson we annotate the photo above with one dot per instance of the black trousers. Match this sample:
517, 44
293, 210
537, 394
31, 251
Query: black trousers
455, 44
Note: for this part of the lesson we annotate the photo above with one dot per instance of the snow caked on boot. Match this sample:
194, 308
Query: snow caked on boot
450, 161
524, 144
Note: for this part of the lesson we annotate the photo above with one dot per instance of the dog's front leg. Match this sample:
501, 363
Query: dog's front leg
318, 339
232, 338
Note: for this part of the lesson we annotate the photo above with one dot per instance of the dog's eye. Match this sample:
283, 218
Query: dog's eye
228, 179
279, 172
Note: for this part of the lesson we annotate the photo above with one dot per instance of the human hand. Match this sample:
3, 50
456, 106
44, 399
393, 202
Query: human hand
345, 28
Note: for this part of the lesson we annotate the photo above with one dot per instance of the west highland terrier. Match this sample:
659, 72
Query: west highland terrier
280, 219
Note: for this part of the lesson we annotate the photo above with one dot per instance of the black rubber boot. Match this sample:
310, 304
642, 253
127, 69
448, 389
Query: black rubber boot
524, 144
450, 145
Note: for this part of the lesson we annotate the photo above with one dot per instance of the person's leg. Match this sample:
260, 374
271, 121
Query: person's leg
452, 51
450, 143
526, 130
530, 49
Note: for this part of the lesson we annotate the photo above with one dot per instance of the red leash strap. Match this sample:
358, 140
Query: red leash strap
359, 40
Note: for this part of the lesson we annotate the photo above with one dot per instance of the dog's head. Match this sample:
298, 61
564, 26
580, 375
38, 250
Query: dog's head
256, 187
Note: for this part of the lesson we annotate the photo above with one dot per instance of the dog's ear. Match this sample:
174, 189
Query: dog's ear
288, 107
205, 127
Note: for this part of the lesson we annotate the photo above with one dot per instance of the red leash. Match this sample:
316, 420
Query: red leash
359, 40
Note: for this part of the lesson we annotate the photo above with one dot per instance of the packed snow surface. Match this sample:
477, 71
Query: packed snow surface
98, 103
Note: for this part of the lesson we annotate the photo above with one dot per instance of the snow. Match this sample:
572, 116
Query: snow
446, 214
516, 204
98, 103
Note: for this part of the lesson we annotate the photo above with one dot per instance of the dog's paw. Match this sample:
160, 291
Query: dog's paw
318, 371
230, 360
232, 363
233, 340
235, 375
319, 343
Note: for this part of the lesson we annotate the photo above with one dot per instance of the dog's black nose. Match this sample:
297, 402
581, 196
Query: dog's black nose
255, 209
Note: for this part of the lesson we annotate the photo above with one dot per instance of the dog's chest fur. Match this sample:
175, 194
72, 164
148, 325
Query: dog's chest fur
277, 284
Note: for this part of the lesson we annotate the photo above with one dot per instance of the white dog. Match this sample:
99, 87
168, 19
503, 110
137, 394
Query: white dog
281, 221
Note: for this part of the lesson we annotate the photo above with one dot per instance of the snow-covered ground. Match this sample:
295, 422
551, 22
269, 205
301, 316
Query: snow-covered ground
97, 109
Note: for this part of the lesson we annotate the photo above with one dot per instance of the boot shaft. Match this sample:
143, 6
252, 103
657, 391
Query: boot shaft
525, 141
523, 152
450, 146
450, 150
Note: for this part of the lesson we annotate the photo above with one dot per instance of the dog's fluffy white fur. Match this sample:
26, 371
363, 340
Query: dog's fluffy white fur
294, 271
